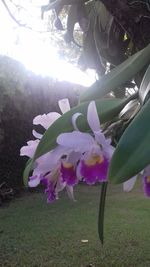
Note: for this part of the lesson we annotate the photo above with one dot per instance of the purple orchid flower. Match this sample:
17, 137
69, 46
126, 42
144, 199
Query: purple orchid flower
68, 168
95, 149
55, 174
50, 170
145, 175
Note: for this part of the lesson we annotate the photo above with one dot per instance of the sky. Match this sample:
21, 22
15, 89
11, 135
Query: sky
34, 51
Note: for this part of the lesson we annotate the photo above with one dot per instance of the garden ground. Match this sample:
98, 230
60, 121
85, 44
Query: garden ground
34, 233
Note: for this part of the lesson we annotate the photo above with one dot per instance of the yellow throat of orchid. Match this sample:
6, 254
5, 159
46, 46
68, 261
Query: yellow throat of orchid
148, 179
67, 165
94, 159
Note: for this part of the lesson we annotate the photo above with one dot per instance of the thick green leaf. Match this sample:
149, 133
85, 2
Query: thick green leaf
145, 85
107, 110
119, 75
26, 172
101, 212
132, 153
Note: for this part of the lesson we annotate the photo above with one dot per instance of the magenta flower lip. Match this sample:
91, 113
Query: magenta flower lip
51, 194
146, 185
68, 174
94, 173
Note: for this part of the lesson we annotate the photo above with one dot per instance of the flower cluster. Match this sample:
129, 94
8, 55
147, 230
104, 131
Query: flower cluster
77, 156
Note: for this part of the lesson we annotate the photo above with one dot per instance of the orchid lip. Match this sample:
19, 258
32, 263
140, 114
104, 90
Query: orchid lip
146, 185
68, 173
93, 173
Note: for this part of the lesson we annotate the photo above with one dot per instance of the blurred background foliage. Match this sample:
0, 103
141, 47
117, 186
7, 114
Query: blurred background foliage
23, 95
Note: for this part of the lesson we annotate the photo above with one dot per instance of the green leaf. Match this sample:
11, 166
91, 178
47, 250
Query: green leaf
132, 153
101, 212
119, 75
107, 110
27, 171
145, 85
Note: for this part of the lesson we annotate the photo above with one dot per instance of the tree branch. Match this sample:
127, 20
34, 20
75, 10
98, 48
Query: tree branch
11, 15
17, 21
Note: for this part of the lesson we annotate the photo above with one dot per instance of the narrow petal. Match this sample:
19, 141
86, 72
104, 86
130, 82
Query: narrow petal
46, 120
105, 143
128, 185
60, 185
70, 192
64, 105
78, 173
36, 134
76, 140
108, 151
92, 117
34, 181
74, 120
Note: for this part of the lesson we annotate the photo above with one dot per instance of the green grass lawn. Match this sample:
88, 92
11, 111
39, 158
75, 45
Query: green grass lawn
34, 233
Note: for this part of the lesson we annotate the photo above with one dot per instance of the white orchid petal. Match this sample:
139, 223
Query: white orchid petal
128, 185
26, 151
70, 192
46, 120
108, 151
74, 119
78, 173
50, 160
64, 105
44, 164
77, 141
59, 151
36, 134
146, 171
34, 182
59, 186
92, 117
101, 139
29, 150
